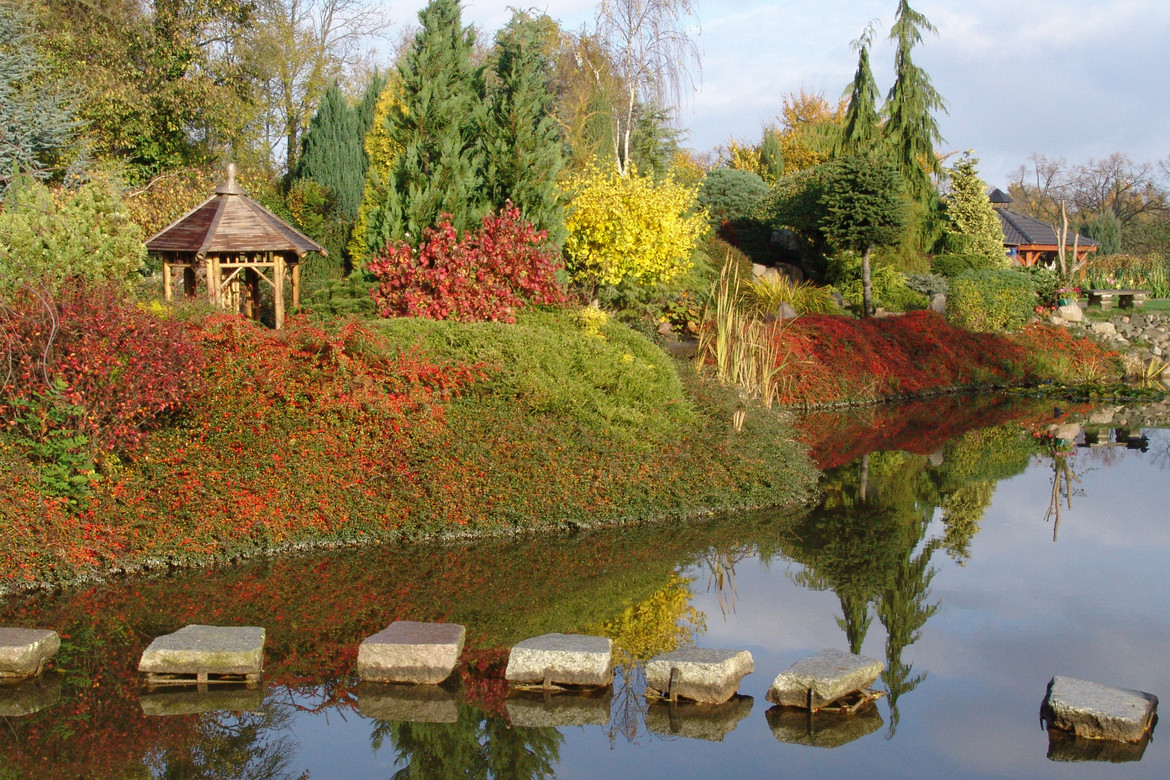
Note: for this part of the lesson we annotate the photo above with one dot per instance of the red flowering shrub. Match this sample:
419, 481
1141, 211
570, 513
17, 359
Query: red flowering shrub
90, 362
487, 275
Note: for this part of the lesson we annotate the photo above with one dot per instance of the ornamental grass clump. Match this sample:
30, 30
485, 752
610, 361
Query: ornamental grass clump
763, 296
741, 348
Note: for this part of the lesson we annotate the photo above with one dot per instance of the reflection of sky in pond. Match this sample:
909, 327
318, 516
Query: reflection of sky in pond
1021, 609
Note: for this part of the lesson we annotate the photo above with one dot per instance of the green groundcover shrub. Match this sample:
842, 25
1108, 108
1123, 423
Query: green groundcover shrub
990, 300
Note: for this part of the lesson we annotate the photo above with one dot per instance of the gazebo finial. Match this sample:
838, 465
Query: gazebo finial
230, 187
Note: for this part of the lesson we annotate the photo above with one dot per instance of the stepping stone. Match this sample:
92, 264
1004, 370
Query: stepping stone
823, 678
192, 702
706, 676
1096, 711
25, 651
708, 722
409, 652
821, 729
205, 654
561, 659
575, 709
409, 703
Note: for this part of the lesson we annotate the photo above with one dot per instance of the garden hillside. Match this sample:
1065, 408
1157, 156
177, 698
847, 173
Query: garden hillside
313, 435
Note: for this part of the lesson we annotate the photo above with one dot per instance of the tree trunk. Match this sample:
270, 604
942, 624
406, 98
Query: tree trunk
866, 284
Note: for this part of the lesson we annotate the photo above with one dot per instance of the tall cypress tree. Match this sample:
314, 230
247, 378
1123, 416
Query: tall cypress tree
862, 125
332, 155
438, 124
911, 128
523, 152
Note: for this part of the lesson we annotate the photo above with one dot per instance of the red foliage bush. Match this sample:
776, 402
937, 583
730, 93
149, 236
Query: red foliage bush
487, 275
110, 368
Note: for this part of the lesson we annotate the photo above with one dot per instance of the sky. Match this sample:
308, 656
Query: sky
1061, 78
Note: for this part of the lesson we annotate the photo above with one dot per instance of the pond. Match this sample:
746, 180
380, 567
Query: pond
972, 554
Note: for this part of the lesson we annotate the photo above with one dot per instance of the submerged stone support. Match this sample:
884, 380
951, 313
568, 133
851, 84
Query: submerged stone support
823, 678
410, 652
698, 674
24, 652
200, 655
1096, 711
561, 659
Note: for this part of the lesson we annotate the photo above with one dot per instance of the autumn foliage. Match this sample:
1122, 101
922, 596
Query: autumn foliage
488, 274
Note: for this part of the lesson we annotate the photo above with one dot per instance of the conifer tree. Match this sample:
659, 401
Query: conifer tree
771, 156
862, 125
523, 152
332, 155
972, 227
911, 128
381, 152
438, 122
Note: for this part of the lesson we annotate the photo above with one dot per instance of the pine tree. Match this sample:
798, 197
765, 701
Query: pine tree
862, 125
771, 156
34, 120
911, 128
438, 123
523, 151
972, 227
332, 155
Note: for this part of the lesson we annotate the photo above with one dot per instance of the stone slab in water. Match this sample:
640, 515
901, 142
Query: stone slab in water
692, 720
25, 651
821, 729
823, 678
409, 703
1096, 711
574, 709
30, 696
410, 652
704, 675
199, 649
190, 702
561, 659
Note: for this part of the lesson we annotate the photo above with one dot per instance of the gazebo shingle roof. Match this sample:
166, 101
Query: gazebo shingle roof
1021, 230
230, 222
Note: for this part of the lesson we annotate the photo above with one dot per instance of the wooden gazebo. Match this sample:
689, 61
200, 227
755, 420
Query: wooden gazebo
236, 243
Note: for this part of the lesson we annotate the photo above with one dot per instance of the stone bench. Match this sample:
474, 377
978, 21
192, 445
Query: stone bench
1126, 299
561, 659
198, 655
24, 652
410, 652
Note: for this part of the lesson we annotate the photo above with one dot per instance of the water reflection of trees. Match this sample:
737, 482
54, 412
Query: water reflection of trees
476, 745
869, 543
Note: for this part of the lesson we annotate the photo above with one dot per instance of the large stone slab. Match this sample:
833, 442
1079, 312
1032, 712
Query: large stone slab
823, 678
410, 703
30, 696
190, 702
573, 709
206, 650
561, 659
410, 652
25, 651
703, 675
692, 720
1096, 711
821, 729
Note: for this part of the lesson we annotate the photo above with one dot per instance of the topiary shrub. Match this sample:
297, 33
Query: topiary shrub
990, 300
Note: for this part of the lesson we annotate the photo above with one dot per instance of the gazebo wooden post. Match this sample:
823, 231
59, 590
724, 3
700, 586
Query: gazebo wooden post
212, 280
252, 286
296, 280
167, 294
278, 283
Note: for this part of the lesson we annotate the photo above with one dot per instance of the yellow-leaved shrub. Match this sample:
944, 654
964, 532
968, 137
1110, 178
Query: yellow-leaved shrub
629, 228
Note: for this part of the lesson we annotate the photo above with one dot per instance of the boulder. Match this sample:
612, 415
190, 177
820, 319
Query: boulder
561, 659
1097, 711
938, 303
1071, 313
785, 311
1103, 328
703, 675
410, 652
823, 678
25, 651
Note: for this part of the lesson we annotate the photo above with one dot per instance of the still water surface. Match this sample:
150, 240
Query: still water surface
948, 565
